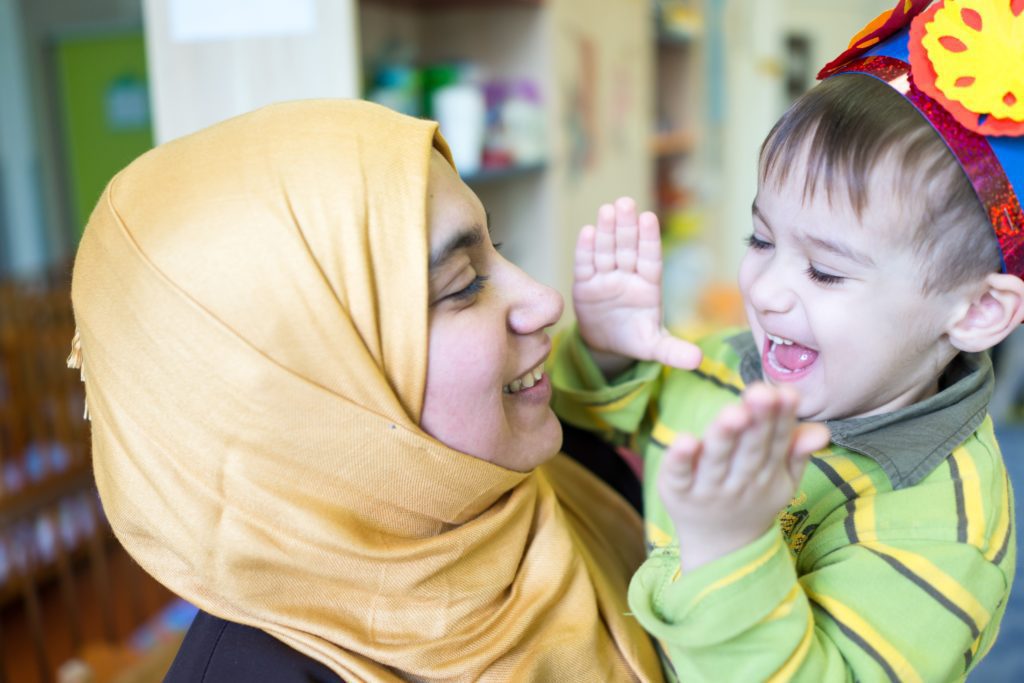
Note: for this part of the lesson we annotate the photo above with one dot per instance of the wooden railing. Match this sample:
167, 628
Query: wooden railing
64, 581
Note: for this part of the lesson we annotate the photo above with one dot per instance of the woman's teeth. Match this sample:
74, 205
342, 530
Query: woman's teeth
524, 382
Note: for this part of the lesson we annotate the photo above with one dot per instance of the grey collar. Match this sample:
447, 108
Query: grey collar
910, 442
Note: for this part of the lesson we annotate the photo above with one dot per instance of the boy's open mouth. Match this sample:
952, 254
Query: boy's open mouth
785, 359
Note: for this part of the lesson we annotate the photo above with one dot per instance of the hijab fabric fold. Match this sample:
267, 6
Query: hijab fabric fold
251, 303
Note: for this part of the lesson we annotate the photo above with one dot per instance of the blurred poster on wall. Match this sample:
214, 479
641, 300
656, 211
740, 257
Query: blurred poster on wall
104, 110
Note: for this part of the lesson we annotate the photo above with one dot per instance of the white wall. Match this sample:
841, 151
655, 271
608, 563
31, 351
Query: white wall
754, 42
209, 60
618, 96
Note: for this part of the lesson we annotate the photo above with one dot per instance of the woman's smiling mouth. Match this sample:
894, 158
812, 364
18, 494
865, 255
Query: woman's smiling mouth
526, 381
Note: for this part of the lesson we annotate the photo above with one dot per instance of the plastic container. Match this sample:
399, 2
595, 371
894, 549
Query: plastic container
461, 112
523, 120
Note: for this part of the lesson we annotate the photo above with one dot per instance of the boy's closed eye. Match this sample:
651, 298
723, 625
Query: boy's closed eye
813, 272
822, 277
755, 242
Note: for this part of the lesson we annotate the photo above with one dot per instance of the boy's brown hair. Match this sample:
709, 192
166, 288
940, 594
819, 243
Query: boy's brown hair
848, 125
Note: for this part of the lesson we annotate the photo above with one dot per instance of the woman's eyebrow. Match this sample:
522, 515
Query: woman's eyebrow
465, 239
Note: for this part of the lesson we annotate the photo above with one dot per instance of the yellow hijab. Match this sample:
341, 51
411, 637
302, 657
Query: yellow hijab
252, 308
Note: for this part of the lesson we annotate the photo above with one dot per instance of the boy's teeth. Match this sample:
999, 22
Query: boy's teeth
524, 382
779, 340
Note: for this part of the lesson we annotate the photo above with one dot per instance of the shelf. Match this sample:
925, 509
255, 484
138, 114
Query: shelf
678, 24
673, 142
491, 175
677, 38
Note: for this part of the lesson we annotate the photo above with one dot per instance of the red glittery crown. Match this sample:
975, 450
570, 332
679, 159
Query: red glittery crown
959, 64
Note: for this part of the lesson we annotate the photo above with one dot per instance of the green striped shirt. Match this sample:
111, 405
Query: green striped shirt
893, 561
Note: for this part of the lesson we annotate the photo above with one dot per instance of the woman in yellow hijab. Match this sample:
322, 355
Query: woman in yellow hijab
319, 413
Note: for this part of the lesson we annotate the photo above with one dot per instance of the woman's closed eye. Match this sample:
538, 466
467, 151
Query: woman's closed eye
470, 290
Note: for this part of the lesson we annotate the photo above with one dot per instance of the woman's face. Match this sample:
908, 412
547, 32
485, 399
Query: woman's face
487, 338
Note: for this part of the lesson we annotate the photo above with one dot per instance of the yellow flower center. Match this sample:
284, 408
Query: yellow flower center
977, 50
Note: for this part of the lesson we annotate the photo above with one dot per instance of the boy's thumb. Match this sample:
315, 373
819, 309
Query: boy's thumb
807, 438
677, 353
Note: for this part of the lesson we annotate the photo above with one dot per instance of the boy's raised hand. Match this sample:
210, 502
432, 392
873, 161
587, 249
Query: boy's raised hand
617, 292
725, 491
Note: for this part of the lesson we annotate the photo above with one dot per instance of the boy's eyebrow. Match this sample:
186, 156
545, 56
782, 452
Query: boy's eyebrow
841, 250
828, 245
464, 239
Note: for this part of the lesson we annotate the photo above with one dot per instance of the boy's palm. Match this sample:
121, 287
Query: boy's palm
725, 490
617, 289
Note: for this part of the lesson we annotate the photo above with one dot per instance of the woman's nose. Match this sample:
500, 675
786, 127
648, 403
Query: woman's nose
534, 306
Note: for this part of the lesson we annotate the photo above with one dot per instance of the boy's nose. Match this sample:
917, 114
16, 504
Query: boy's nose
770, 292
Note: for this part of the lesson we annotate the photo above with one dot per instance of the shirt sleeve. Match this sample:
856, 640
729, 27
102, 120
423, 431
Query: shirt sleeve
583, 397
913, 610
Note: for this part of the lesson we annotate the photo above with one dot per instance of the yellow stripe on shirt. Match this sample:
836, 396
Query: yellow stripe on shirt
999, 535
863, 516
663, 434
657, 536
718, 370
746, 569
974, 509
851, 474
617, 404
871, 641
784, 607
790, 667
946, 590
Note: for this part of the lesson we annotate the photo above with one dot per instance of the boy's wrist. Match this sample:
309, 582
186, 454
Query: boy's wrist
611, 364
699, 549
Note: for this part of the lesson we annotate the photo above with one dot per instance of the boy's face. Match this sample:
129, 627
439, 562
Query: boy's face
835, 302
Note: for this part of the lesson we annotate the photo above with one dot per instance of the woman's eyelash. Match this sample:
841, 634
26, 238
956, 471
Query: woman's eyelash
755, 242
497, 245
823, 278
472, 289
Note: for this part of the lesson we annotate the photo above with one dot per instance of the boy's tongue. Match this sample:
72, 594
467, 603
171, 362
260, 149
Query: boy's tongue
794, 357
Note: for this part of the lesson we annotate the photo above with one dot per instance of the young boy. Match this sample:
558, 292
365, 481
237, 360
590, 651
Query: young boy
874, 282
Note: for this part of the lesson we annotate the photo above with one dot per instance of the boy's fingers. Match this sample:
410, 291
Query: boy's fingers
604, 239
648, 262
753, 448
678, 466
807, 438
583, 266
720, 444
785, 423
677, 353
625, 235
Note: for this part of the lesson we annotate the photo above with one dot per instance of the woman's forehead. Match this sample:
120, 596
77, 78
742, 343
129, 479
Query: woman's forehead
452, 207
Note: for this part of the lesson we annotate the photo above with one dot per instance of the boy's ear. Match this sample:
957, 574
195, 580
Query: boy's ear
992, 316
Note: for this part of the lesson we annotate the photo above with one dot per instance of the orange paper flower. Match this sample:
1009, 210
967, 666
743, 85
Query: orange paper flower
969, 56
877, 30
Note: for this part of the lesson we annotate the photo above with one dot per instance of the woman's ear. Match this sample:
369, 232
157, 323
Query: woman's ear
991, 316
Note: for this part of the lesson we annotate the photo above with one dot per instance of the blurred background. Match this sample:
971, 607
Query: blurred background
551, 107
